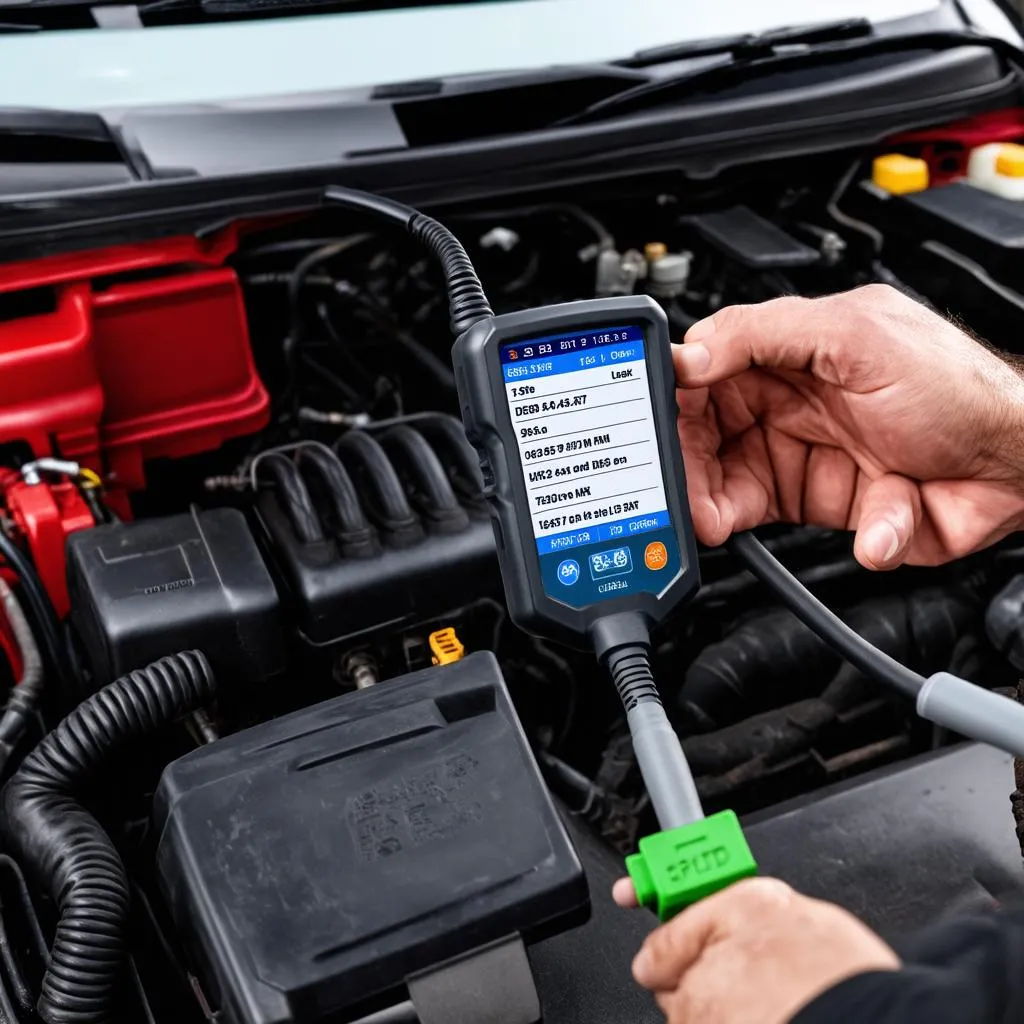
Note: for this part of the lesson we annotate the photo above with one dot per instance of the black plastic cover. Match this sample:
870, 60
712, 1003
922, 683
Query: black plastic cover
983, 226
143, 590
748, 238
336, 597
317, 860
424, 545
904, 846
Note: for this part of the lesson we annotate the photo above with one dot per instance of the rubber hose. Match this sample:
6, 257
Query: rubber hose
808, 609
293, 495
325, 467
772, 659
52, 835
24, 698
449, 432
337, 484
426, 469
396, 514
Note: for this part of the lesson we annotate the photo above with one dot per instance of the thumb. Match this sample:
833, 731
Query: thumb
890, 513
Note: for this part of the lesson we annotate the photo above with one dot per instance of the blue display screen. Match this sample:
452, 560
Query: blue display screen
580, 405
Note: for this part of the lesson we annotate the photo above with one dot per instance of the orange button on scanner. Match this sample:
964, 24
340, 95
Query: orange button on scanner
656, 555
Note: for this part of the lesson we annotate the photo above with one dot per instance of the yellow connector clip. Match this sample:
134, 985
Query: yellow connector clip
446, 647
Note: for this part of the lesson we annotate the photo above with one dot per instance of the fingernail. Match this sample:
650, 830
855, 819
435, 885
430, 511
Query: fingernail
695, 359
881, 543
641, 966
701, 329
712, 509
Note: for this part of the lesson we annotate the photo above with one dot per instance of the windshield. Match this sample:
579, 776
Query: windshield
100, 69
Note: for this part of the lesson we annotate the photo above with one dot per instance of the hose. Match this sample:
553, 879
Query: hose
24, 699
773, 658
425, 467
323, 466
395, 512
293, 495
39, 606
467, 302
62, 844
445, 430
812, 613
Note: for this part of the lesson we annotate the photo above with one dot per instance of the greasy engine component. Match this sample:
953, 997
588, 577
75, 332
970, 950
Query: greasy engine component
764, 661
385, 530
64, 846
317, 861
143, 590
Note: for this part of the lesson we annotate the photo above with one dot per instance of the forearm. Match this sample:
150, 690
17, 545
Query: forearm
965, 971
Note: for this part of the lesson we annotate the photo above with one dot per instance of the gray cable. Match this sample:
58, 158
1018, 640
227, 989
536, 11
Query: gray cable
622, 644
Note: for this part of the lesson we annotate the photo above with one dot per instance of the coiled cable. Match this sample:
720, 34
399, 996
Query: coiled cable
467, 302
52, 835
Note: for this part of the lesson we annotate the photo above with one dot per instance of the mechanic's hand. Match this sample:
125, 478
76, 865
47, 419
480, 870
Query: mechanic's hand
861, 411
755, 953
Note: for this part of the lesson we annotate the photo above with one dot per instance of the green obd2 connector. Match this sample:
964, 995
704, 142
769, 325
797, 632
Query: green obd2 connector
683, 865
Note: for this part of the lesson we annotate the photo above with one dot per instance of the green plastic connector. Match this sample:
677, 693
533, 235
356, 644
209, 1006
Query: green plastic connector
677, 868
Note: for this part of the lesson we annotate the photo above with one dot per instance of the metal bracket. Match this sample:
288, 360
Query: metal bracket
491, 985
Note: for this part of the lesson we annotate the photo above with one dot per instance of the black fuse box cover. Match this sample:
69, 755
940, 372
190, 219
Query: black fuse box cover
747, 237
143, 590
982, 226
315, 861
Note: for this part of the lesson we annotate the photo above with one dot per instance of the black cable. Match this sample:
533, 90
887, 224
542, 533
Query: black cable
813, 614
39, 607
466, 299
384, 321
296, 279
23, 702
61, 843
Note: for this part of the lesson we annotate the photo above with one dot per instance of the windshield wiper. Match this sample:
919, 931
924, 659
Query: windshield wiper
788, 56
749, 47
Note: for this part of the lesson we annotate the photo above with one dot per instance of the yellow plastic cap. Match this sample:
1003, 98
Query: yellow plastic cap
654, 251
1010, 160
900, 174
446, 647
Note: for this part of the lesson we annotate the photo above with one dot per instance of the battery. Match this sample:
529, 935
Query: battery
316, 861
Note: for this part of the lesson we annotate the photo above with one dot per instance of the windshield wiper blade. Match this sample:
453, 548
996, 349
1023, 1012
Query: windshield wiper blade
665, 90
746, 47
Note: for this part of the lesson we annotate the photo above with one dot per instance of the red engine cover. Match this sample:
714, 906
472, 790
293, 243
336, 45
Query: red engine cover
127, 370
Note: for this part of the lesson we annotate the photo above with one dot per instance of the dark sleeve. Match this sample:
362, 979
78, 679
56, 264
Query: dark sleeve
969, 970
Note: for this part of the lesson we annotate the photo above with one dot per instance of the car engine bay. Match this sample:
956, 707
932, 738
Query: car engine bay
248, 444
